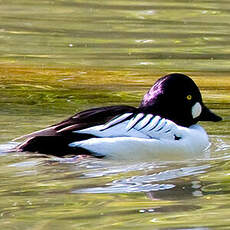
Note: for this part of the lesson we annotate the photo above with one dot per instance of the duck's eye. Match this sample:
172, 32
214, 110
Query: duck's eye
189, 97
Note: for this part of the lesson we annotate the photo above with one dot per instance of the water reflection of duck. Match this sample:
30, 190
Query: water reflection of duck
163, 124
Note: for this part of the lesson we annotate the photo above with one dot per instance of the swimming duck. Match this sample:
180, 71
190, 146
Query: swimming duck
165, 123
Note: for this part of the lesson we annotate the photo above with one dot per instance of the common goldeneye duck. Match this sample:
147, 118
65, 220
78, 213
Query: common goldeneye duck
164, 123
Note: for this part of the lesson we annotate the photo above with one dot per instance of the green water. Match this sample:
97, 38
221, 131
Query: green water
60, 57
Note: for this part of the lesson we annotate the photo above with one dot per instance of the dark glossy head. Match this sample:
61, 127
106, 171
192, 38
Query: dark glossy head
177, 97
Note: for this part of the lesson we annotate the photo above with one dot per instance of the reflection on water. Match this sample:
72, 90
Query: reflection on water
143, 183
94, 192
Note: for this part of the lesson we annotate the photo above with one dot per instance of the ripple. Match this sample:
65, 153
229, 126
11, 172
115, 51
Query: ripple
5, 148
123, 188
143, 183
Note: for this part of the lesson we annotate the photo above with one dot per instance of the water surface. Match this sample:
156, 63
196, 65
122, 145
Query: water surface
162, 35
60, 57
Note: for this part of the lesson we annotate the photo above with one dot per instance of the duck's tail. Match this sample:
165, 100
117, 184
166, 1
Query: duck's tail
53, 145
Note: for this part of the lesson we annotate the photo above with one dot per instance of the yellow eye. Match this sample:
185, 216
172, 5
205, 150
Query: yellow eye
189, 97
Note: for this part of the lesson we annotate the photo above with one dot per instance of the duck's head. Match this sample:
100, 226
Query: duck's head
177, 97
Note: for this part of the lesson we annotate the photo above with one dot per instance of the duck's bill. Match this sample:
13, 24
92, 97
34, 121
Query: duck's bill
208, 115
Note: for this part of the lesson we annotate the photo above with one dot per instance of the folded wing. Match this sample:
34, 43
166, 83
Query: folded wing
144, 136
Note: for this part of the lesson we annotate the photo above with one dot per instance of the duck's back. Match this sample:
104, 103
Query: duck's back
55, 139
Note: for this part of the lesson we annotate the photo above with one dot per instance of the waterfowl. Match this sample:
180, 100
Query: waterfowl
165, 123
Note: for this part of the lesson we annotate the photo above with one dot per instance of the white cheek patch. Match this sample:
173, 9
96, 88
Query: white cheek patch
196, 110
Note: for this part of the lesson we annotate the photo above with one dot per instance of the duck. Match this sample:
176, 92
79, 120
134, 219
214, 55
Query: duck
164, 124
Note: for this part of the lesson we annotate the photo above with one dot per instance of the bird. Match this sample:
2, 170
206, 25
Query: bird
164, 124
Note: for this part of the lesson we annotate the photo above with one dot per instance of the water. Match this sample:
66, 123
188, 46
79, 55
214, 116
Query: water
162, 35
59, 57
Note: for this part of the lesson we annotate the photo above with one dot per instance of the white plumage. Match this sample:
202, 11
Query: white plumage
144, 137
